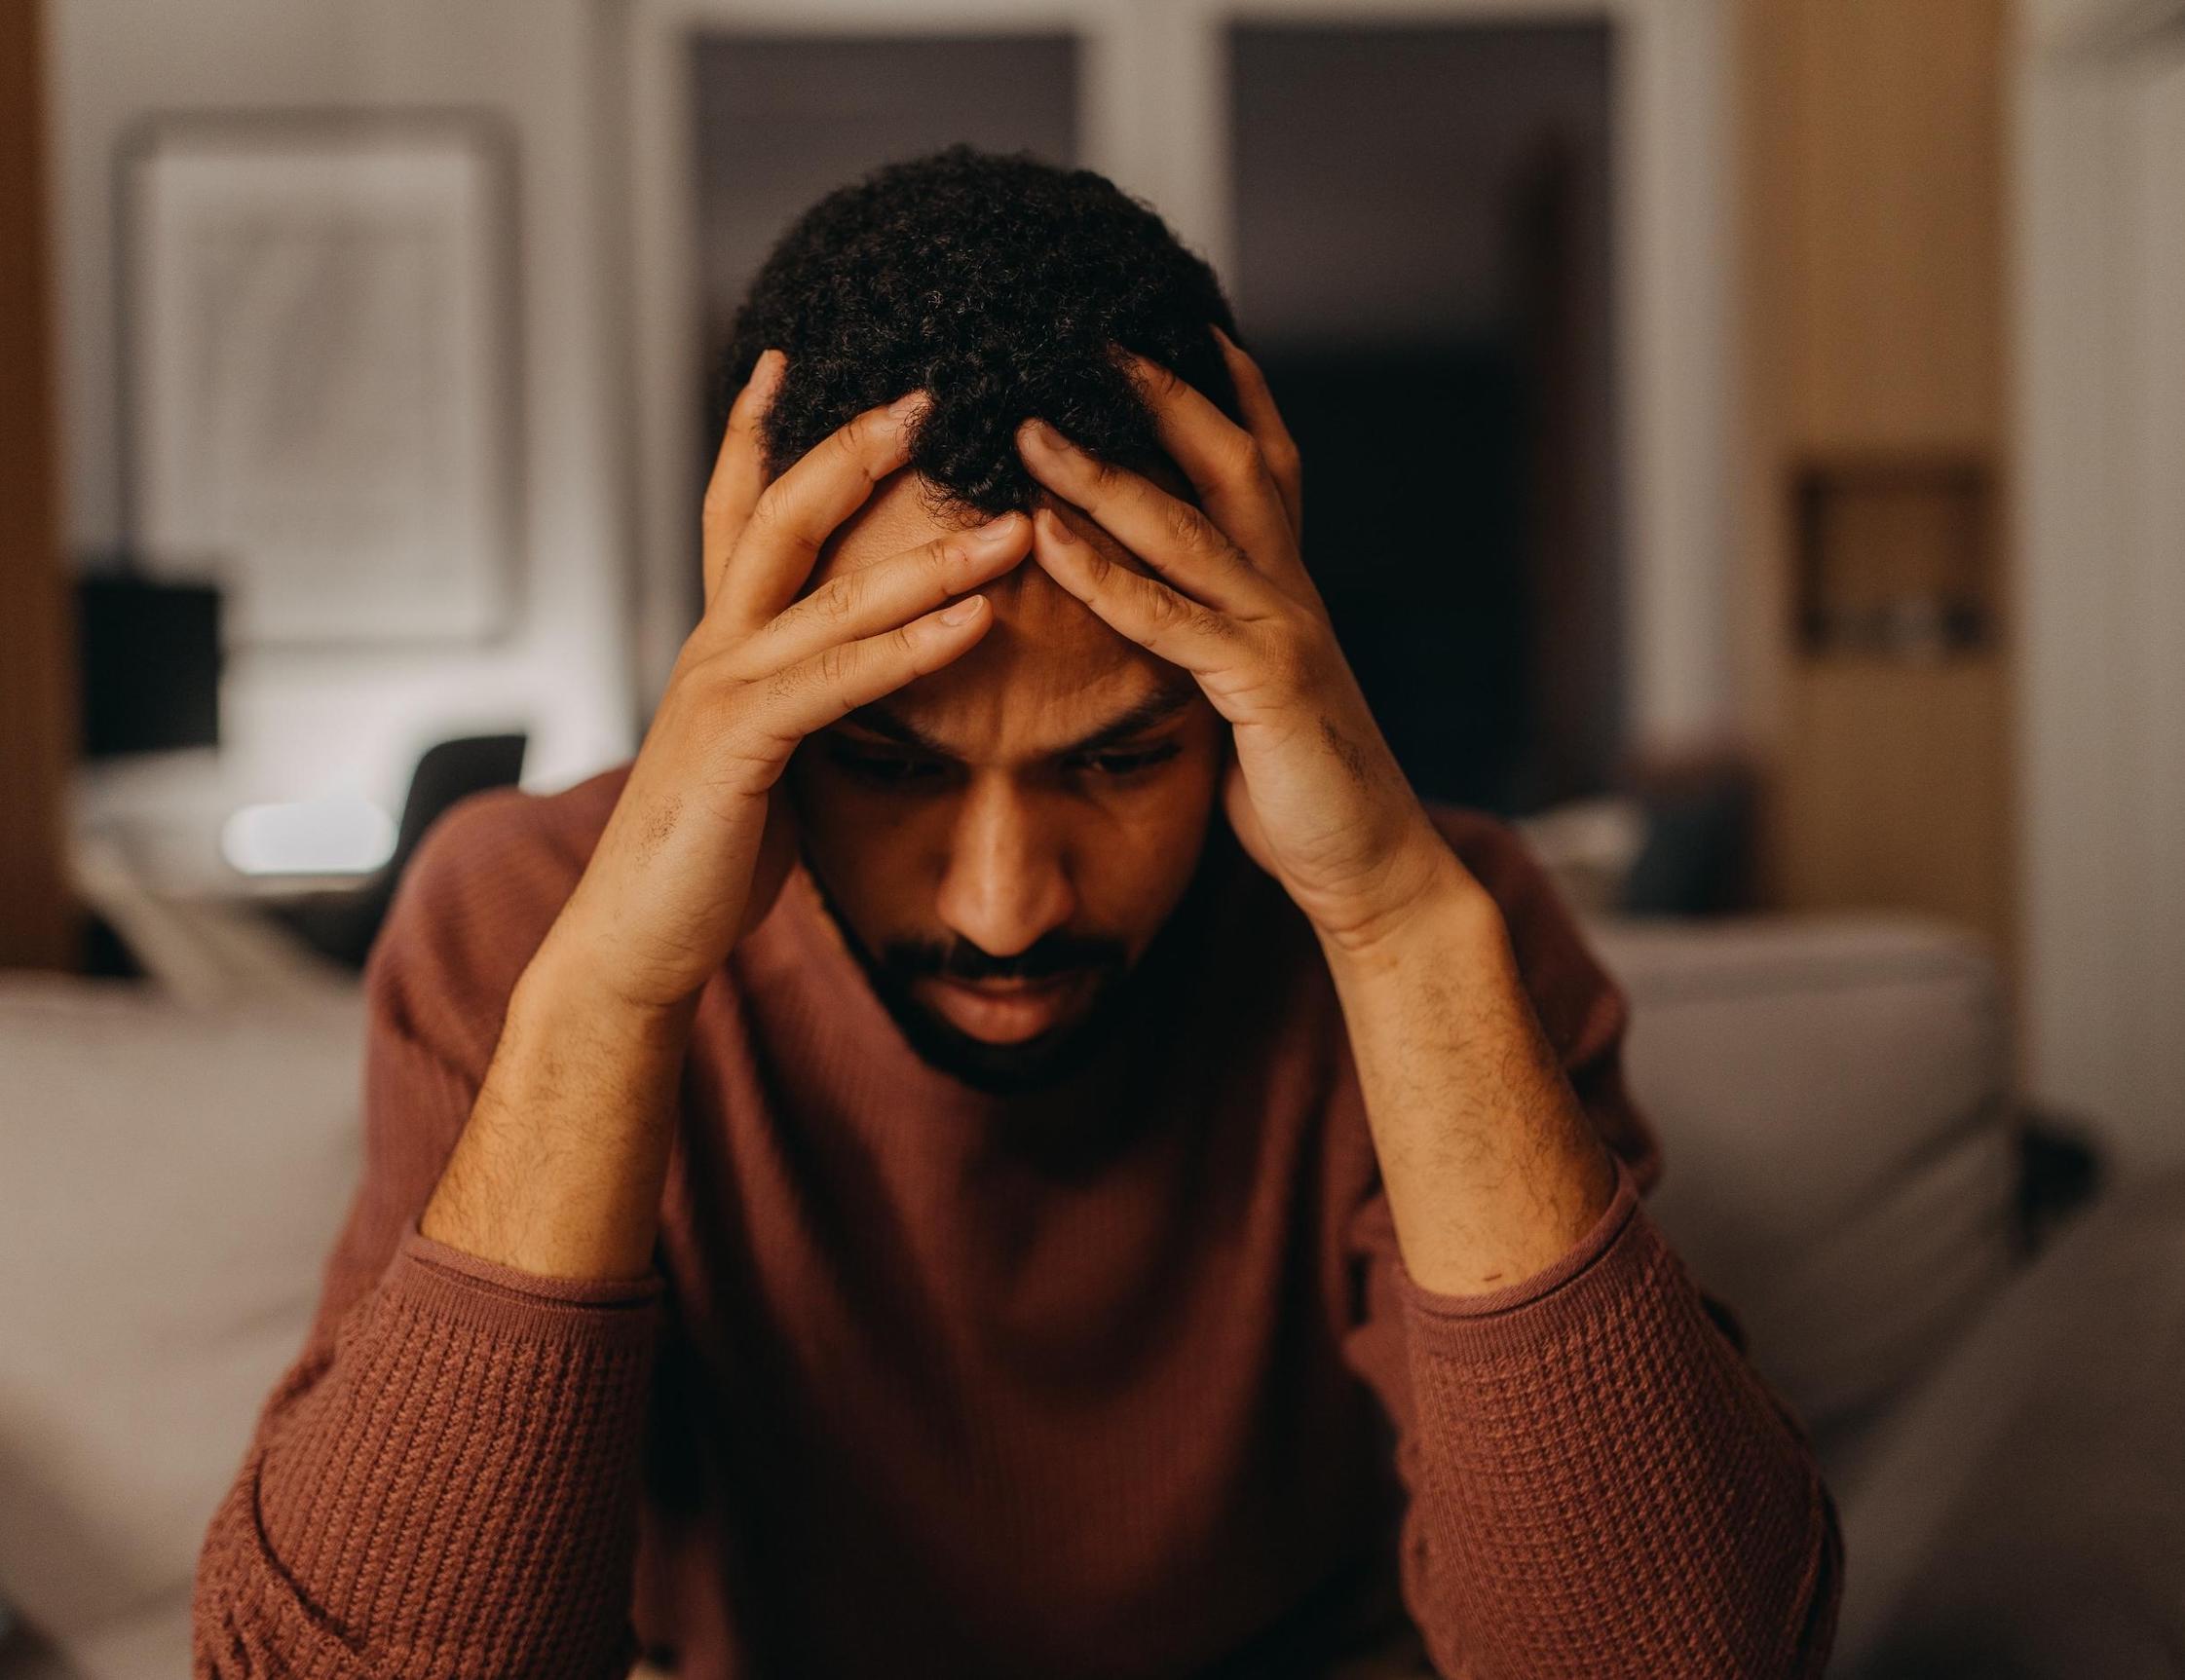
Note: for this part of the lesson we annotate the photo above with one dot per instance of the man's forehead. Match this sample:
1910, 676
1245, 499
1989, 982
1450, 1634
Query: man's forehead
1046, 674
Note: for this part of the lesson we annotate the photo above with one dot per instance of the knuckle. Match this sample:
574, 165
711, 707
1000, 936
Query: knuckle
701, 672
720, 502
834, 600
1293, 658
708, 700
1246, 459
869, 439
1162, 381
1185, 525
783, 686
768, 512
1167, 609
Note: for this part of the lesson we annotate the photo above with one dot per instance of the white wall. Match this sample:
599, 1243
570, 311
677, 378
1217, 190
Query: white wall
317, 723
2100, 349
299, 723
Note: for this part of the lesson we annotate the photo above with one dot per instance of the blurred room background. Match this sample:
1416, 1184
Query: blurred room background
1809, 376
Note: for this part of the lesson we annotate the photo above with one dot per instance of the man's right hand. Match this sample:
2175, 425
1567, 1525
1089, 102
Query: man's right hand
560, 1167
697, 845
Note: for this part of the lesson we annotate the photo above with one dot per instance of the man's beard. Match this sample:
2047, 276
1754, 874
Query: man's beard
1102, 965
1001, 1069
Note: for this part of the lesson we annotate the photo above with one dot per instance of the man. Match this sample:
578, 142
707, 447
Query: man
1005, 1142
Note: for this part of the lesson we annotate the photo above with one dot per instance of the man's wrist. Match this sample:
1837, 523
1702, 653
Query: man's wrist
1429, 900
568, 987
558, 1171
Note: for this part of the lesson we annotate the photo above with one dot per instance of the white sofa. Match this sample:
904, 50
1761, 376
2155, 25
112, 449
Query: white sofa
1842, 1155
2004, 1431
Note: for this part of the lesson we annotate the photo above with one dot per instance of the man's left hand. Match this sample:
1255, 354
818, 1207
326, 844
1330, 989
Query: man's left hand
1313, 793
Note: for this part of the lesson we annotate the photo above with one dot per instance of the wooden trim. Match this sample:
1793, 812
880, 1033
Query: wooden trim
39, 921
1872, 168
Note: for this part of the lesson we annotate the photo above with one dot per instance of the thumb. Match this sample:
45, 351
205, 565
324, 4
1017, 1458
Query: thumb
1243, 815
777, 851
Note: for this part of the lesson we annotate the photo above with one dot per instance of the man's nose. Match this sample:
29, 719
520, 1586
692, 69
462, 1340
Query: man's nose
1005, 880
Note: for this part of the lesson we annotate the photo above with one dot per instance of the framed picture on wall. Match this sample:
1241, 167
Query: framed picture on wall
318, 355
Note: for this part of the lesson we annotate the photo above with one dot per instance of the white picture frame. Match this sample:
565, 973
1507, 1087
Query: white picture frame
317, 371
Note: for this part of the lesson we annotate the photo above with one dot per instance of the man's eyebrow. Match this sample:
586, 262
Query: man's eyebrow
1156, 707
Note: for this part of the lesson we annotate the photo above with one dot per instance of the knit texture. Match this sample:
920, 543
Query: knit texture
1120, 1378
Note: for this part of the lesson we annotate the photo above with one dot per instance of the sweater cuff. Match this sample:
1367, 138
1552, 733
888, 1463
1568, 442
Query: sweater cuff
506, 1284
1609, 1258
469, 1462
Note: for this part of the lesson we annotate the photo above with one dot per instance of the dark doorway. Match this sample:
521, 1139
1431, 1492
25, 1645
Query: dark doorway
1423, 260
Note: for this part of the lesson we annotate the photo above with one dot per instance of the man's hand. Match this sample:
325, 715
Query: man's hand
697, 845
1492, 1167
1314, 794
560, 1167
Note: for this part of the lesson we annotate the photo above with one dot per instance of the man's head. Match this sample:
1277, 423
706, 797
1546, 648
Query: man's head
1001, 841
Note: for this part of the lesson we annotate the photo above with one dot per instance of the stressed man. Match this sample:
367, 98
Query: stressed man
1006, 1142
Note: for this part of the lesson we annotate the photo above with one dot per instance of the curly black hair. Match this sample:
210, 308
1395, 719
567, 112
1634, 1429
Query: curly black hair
997, 283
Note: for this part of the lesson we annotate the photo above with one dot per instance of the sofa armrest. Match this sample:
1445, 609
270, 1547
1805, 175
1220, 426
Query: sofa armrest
1839, 1139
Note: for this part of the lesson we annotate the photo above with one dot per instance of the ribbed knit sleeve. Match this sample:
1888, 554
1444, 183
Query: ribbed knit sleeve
1599, 1484
445, 1481
453, 1491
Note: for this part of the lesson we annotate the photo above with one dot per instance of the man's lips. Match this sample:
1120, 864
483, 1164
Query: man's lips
1002, 1011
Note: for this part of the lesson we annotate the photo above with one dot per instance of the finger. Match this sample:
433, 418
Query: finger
880, 597
1229, 470
835, 681
1264, 421
740, 468
1179, 629
799, 511
1170, 535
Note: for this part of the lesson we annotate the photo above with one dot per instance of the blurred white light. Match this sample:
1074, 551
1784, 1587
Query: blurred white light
336, 836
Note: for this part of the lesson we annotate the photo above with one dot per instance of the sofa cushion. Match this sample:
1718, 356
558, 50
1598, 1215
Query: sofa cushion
1839, 1147
175, 1178
2023, 1515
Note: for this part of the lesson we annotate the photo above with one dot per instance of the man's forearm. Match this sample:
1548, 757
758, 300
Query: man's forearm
1491, 1168
560, 1167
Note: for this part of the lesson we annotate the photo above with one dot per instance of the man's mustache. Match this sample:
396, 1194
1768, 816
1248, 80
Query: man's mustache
1051, 955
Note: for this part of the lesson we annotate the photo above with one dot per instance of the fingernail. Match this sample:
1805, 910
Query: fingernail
907, 405
767, 369
1040, 434
1057, 528
997, 532
963, 612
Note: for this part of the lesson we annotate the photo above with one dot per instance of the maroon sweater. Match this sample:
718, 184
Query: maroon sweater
1122, 1378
